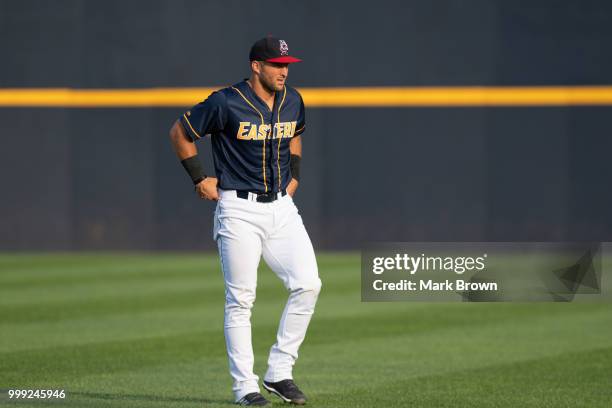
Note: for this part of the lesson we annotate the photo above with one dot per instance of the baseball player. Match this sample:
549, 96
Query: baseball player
256, 127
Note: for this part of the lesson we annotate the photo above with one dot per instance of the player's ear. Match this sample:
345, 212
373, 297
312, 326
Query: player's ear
256, 67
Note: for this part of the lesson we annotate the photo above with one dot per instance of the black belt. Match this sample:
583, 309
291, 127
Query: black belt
261, 197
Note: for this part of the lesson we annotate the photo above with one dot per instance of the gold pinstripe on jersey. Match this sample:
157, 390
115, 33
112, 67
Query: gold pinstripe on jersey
264, 141
279, 139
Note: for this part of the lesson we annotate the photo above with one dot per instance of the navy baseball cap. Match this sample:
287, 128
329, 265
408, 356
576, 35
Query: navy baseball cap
272, 49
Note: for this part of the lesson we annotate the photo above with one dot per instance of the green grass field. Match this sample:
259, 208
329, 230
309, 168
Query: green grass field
125, 330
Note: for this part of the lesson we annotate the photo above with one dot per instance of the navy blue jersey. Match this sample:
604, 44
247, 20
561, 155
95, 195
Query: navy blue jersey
250, 142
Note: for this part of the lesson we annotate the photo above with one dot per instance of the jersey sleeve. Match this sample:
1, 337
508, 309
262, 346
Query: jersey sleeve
206, 117
301, 120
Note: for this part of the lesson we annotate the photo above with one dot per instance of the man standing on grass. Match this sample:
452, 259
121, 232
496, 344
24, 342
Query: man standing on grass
256, 127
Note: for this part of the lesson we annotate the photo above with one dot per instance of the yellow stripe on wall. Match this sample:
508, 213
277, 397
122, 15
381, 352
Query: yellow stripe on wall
458, 96
318, 97
103, 98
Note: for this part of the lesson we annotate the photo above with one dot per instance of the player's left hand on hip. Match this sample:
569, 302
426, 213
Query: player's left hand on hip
292, 187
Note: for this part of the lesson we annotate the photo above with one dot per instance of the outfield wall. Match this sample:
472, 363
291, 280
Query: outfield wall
106, 178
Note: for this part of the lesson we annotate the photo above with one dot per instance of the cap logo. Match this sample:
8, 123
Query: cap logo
284, 48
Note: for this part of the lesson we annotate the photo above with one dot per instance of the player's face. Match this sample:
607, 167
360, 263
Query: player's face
273, 75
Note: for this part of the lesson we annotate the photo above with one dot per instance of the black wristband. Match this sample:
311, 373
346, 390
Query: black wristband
194, 168
294, 164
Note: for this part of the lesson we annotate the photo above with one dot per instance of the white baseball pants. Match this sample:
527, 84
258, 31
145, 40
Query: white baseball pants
245, 230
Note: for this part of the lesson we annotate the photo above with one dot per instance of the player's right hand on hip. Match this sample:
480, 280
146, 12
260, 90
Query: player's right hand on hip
207, 189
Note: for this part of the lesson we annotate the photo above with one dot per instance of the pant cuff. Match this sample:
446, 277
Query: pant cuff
244, 389
273, 377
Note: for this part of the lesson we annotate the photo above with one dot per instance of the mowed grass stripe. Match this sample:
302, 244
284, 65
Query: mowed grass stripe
136, 298
139, 300
352, 352
407, 318
202, 382
118, 295
49, 267
111, 305
112, 274
67, 361
16, 270
120, 323
37, 262
332, 374
356, 363
55, 366
392, 323
117, 288
573, 379
102, 274
209, 279
40, 335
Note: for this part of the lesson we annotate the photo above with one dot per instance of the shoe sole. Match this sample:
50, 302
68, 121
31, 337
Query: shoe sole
261, 404
253, 405
281, 396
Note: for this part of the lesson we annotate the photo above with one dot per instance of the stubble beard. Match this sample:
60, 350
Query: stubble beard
270, 86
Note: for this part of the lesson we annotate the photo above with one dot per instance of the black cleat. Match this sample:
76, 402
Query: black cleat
287, 391
253, 399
